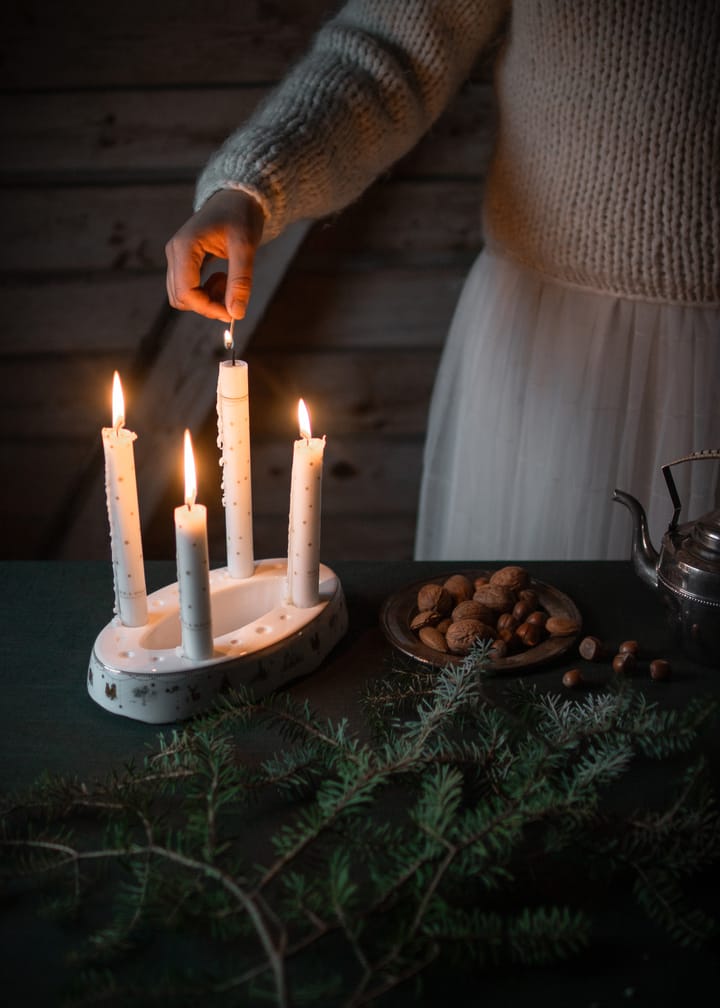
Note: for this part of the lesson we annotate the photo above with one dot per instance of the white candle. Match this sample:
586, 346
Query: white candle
124, 516
234, 441
193, 568
304, 524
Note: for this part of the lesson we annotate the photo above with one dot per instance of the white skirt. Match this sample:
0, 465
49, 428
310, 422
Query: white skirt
547, 398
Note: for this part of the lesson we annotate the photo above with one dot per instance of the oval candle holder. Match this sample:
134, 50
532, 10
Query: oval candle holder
260, 640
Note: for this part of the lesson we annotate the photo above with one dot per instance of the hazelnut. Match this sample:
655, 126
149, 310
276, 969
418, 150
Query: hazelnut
460, 587
629, 647
530, 634
432, 638
538, 617
572, 678
480, 581
510, 639
499, 649
561, 626
624, 663
660, 669
506, 621
462, 634
434, 596
529, 595
521, 610
511, 576
591, 648
443, 625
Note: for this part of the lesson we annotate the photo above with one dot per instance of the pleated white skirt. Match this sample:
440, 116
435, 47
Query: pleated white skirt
550, 396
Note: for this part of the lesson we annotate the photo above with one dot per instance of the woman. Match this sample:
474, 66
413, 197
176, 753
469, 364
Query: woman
585, 349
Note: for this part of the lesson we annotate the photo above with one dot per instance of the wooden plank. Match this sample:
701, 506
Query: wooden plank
125, 228
89, 44
108, 314
361, 309
403, 222
66, 396
83, 43
374, 475
365, 515
89, 229
50, 135
344, 537
347, 393
349, 309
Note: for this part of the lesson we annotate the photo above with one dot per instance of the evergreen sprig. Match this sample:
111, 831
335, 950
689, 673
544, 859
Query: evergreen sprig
341, 867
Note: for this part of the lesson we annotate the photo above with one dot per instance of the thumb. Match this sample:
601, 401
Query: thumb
239, 286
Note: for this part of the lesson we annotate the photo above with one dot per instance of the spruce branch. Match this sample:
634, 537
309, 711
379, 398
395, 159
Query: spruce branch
389, 855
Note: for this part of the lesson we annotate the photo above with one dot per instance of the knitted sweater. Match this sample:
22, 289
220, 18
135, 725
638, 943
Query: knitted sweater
606, 170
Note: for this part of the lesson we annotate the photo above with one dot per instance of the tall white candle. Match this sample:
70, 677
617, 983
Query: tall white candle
124, 515
193, 567
234, 441
304, 523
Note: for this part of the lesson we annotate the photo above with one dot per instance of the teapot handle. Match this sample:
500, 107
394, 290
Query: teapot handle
710, 453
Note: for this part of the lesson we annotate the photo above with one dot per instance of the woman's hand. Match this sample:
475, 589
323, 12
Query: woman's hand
228, 226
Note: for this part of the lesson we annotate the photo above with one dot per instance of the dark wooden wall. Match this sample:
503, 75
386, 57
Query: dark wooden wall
108, 111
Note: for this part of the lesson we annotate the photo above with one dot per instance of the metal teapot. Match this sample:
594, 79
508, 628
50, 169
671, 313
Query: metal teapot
686, 571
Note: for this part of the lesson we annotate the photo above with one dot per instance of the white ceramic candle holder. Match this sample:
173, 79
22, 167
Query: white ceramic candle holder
259, 640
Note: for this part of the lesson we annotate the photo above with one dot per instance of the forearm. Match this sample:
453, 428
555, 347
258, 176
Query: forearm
374, 80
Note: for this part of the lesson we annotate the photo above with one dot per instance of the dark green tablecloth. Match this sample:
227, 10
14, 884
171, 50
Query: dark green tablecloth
51, 614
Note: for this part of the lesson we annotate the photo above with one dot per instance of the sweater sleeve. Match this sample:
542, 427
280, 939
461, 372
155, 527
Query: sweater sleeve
375, 78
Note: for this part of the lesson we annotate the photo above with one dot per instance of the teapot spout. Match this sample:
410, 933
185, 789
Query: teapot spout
644, 555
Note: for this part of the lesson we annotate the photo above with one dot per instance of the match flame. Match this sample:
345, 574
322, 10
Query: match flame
190, 474
118, 403
304, 420
228, 338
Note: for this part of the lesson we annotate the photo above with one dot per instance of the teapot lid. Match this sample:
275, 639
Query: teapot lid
705, 535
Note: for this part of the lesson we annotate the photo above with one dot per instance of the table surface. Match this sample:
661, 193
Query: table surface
53, 611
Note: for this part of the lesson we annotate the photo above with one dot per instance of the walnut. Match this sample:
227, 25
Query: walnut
434, 596
513, 577
495, 597
460, 587
473, 610
462, 634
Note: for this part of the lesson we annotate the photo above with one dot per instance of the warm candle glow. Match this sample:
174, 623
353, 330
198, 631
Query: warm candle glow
190, 474
304, 420
118, 403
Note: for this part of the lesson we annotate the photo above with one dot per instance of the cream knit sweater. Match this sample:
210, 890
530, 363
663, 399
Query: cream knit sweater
606, 170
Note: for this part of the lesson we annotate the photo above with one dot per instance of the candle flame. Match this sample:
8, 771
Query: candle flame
118, 403
190, 474
304, 420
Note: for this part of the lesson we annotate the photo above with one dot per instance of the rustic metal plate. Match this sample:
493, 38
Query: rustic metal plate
398, 610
